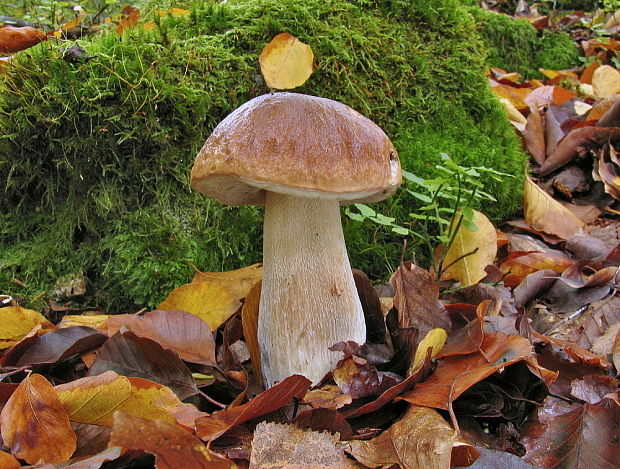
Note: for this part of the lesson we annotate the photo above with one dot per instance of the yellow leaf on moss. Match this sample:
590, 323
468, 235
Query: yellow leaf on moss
94, 399
210, 301
94, 321
286, 62
16, 322
173, 12
472, 251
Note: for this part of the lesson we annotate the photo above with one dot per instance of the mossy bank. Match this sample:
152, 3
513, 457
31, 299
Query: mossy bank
95, 155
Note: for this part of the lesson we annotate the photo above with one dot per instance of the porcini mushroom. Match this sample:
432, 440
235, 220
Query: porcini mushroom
300, 156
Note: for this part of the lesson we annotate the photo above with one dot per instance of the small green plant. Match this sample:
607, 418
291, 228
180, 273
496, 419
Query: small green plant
447, 204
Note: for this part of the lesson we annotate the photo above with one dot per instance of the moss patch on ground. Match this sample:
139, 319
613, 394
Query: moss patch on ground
516, 46
95, 155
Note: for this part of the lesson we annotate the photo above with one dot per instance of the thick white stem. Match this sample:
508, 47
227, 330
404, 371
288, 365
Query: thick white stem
308, 300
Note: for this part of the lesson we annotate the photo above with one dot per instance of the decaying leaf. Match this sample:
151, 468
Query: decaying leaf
8, 462
249, 321
286, 62
209, 301
173, 447
472, 251
420, 439
16, 322
606, 81
35, 425
288, 447
518, 265
583, 438
543, 213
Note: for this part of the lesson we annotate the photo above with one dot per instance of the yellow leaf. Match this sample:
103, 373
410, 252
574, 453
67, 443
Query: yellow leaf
94, 399
74, 23
435, 339
474, 251
16, 322
286, 62
94, 321
149, 26
543, 213
208, 300
173, 12
239, 282
606, 81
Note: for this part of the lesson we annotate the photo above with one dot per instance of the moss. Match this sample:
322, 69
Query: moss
95, 156
516, 46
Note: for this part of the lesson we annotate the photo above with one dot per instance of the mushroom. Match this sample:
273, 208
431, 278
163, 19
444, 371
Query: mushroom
300, 156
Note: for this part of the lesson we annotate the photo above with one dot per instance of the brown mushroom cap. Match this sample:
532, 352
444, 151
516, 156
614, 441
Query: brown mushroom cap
298, 145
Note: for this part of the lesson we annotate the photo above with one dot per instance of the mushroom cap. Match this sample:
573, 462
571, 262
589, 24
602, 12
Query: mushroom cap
298, 145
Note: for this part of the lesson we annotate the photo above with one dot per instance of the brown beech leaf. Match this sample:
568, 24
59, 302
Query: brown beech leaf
282, 446
186, 334
94, 399
465, 340
518, 265
534, 136
35, 425
359, 379
543, 213
454, 375
93, 462
593, 388
601, 316
54, 346
322, 419
13, 39
417, 300
420, 439
328, 396
213, 426
575, 277
371, 304
210, 301
286, 62
532, 285
173, 447
249, 321
583, 438
575, 352
569, 147
139, 357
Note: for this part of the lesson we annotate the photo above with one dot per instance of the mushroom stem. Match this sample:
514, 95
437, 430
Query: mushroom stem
308, 301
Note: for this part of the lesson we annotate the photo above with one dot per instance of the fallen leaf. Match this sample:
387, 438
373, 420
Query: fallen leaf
16, 322
176, 12
420, 439
209, 301
583, 438
34, 424
534, 136
132, 356
13, 39
518, 265
471, 251
94, 399
282, 446
593, 388
435, 341
249, 321
173, 447
130, 16
359, 379
321, 419
532, 284
213, 426
8, 462
55, 346
544, 213
454, 375
185, 333
286, 62
605, 81
239, 282
94, 321
465, 340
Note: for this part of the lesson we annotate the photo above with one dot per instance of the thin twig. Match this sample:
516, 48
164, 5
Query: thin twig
211, 400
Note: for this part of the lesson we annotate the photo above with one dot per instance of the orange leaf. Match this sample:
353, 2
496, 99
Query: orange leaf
8, 462
586, 76
286, 62
129, 18
454, 375
249, 320
13, 39
172, 446
35, 425
518, 265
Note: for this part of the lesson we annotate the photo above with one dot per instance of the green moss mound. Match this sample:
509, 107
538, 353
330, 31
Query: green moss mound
95, 155
516, 46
